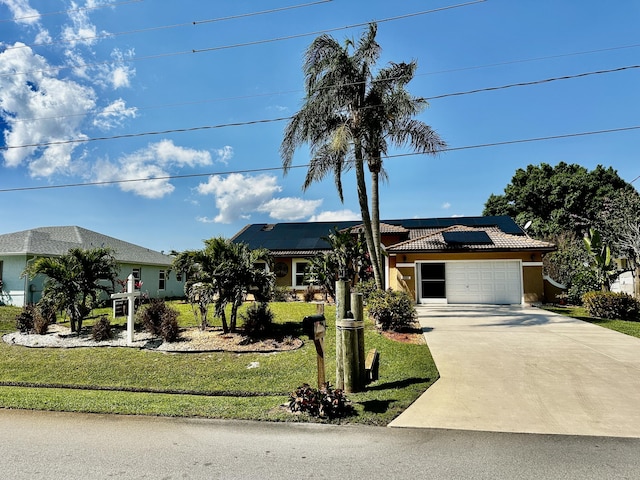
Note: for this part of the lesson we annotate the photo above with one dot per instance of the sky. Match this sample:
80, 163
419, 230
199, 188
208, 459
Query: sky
192, 97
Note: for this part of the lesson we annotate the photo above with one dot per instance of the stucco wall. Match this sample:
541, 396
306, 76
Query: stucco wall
402, 273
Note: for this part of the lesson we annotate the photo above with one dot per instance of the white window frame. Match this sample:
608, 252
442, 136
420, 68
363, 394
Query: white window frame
162, 280
295, 273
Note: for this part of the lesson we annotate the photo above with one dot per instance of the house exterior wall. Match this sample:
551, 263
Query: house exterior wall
402, 269
13, 288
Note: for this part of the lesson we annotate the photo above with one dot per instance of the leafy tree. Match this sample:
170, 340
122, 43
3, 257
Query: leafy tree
227, 272
600, 258
347, 260
76, 279
567, 197
619, 223
350, 116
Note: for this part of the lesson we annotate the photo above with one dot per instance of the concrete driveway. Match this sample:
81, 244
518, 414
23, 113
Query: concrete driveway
522, 369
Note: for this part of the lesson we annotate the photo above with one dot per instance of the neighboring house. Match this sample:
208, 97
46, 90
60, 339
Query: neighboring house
19, 248
485, 260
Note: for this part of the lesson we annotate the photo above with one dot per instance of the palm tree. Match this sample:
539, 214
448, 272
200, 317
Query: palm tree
227, 272
351, 116
75, 280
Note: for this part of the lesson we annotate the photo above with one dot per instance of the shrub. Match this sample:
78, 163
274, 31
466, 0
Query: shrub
169, 330
582, 282
281, 294
366, 288
25, 319
258, 320
309, 295
612, 305
40, 322
392, 310
154, 314
323, 403
101, 329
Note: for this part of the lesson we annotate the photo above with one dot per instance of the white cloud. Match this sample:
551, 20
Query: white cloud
39, 108
224, 154
446, 205
150, 163
237, 196
115, 75
335, 216
114, 114
22, 12
81, 31
289, 208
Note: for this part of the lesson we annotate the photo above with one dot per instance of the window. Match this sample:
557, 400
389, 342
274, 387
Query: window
299, 269
162, 278
432, 280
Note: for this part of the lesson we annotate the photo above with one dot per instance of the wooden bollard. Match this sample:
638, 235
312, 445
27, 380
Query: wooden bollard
349, 329
342, 306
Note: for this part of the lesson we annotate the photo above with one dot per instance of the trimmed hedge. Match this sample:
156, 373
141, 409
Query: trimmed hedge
612, 305
392, 310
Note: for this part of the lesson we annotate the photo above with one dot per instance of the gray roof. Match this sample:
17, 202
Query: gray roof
55, 241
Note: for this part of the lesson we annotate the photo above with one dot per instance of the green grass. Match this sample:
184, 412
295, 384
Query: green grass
219, 384
623, 326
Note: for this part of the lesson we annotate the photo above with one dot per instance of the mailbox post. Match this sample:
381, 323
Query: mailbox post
315, 327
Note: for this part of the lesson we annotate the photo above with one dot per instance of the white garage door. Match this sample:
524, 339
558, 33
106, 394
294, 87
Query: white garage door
492, 282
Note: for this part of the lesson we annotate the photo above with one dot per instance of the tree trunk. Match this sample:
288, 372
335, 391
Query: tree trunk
366, 218
375, 220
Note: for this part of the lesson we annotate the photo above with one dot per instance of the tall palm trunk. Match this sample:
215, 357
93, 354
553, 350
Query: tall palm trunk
374, 167
366, 218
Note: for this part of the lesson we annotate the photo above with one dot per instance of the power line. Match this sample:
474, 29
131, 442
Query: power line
81, 9
176, 25
535, 82
271, 169
246, 44
279, 119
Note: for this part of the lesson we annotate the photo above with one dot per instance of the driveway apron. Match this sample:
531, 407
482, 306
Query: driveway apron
522, 369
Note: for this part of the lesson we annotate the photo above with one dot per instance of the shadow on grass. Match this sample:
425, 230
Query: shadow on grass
287, 329
376, 406
399, 384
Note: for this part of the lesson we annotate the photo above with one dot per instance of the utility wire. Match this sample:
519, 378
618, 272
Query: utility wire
287, 92
175, 25
280, 119
271, 169
244, 44
81, 9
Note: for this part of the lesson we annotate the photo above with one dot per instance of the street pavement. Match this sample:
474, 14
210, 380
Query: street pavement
523, 369
57, 446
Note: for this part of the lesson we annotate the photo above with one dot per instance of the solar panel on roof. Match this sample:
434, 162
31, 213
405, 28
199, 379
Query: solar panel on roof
468, 238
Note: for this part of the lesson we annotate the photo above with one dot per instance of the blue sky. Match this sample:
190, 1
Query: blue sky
88, 69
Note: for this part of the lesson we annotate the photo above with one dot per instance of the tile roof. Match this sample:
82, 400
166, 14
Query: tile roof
55, 241
384, 228
435, 241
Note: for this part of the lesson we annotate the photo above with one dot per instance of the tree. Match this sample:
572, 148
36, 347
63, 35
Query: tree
600, 258
228, 270
199, 286
350, 116
347, 260
567, 197
76, 279
619, 223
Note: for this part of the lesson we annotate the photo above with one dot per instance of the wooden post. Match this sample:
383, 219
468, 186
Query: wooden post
357, 308
319, 329
342, 306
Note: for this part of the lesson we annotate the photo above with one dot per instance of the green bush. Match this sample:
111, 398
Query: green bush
323, 403
582, 282
155, 314
281, 294
258, 320
392, 310
101, 329
366, 288
612, 305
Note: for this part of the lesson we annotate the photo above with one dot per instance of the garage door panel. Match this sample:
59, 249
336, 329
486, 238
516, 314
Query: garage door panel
490, 282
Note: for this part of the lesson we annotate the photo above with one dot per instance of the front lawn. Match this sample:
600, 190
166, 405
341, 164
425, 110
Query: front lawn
623, 326
214, 385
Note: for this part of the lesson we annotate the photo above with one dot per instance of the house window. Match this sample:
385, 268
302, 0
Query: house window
432, 280
299, 270
261, 266
162, 279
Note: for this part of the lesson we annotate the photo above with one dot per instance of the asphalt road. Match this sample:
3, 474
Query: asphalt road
42, 445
